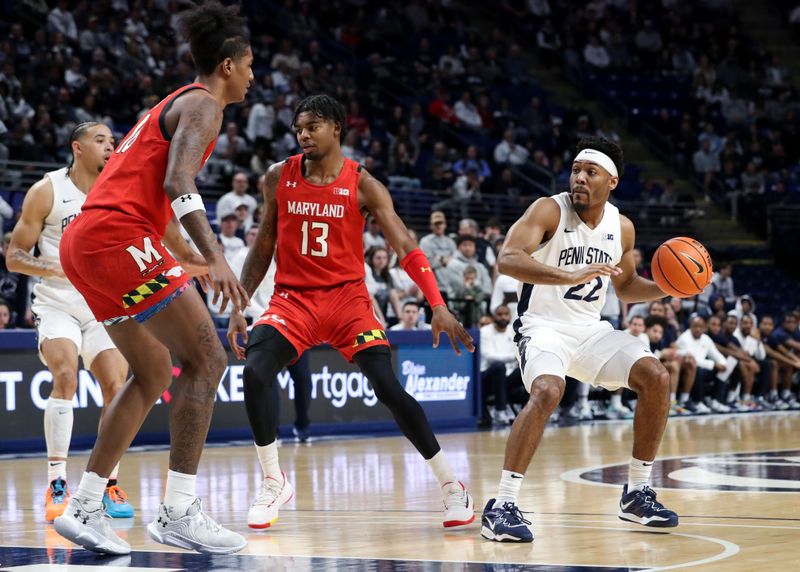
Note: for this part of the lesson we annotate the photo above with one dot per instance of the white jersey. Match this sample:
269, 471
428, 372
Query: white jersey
573, 246
67, 202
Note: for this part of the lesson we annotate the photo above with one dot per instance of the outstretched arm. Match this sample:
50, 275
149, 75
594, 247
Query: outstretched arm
35, 208
630, 286
374, 196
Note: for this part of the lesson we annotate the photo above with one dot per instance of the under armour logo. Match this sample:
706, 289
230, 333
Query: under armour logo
425, 269
185, 198
284, 295
292, 184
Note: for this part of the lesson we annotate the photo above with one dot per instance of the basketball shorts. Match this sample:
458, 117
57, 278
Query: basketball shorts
132, 278
596, 354
62, 313
341, 316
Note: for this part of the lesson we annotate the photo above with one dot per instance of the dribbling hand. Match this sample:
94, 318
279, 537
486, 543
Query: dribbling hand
237, 325
444, 322
592, 271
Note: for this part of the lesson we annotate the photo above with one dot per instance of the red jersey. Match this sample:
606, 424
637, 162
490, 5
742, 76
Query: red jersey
128, 198
320, 228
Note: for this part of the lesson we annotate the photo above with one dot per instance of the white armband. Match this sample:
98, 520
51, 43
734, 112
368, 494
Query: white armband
187, 203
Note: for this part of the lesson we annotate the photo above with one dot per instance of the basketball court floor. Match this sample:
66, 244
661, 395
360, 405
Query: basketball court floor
371, 504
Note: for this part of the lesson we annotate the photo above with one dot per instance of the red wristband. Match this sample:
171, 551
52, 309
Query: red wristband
419, 269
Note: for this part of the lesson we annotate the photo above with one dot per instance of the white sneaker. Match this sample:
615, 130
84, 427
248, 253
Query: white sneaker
86, 523
585, 413
274, 494
621, 411
701, 408
718, 407
194, 530
459, 509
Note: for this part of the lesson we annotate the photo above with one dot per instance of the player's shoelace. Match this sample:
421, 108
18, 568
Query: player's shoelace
455, 496
210, 523
512, 515
117, 495
648, 497
270, 490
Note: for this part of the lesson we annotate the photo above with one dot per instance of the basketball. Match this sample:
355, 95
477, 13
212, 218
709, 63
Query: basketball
682, 267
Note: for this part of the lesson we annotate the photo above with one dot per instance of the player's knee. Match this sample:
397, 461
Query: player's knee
547, 390
65, 380
649, 376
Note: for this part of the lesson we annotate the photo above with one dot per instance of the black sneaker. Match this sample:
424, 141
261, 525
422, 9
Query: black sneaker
641, 507
505, 523
303, 435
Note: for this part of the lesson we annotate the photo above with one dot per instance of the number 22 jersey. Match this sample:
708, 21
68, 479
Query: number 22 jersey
573, 246
320, 228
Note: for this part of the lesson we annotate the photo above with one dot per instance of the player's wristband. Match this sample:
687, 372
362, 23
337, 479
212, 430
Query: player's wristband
187, 203
419, 269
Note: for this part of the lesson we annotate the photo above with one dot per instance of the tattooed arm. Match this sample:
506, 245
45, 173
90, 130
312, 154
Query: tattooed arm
37, 205
199, 117
260, 256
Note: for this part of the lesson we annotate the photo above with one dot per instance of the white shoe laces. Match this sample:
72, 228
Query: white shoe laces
456, 495
270, 490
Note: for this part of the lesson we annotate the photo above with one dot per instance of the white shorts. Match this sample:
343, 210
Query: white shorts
596, 354
63, 313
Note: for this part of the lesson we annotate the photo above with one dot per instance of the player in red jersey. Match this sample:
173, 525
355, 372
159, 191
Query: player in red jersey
314, 208
113, 254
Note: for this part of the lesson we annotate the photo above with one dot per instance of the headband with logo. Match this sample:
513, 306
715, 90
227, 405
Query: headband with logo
599, 158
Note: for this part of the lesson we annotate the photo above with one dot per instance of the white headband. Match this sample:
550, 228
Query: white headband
599, 158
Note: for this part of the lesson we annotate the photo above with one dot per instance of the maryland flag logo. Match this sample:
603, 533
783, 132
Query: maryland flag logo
140, 293
369, 336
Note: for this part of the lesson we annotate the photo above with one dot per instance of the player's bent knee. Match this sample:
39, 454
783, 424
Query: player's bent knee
547, 390
649, 375
65, 380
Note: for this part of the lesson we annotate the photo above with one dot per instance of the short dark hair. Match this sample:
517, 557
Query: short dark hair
651, 321
79, 131
606, 146
325, 107
214, 33
410, 303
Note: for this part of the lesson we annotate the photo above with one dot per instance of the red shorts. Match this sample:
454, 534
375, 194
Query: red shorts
134, 277
341, 316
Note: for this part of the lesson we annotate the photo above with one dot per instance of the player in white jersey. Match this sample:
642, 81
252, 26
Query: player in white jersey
564, 251
65, 326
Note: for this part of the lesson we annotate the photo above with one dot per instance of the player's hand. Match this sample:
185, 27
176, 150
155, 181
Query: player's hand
720, 367
237, 325
592, 271
197, 267
225, 284
444, 322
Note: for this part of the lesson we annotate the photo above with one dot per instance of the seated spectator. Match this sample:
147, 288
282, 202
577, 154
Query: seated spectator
377, 258
473, 160
595, 54
466, 191
782, 358
498, 366
463, 257
238, 195
745, 306
483, 248
438, 247
740, 364
410, 319
228, 225
722, 283
750, 340
373, 238
682, 369
5, 315
786, 339
467, 113
706, 163
6, 214
636, 328
231, 146
509, 152
467, 297
695, 342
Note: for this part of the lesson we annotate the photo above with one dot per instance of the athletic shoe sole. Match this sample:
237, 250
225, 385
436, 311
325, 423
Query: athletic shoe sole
488, 534
88, 538
652, 521
455, 523
266, 525
178, 541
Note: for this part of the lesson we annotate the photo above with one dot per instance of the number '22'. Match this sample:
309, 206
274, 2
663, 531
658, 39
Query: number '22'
573, 293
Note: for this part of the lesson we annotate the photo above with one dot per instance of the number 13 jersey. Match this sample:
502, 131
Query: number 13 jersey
573, 246
320, 228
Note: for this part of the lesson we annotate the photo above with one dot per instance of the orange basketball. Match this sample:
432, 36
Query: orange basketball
681, 267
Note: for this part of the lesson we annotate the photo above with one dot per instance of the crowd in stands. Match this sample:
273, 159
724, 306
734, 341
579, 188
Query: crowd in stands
725, 107
464, 119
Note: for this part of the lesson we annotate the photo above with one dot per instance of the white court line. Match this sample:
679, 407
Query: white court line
574, 475
683, 523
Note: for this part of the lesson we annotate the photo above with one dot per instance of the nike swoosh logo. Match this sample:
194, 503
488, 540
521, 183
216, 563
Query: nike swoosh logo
516, 476
67, 201
700, 267
626, 505
569, 230
647, 464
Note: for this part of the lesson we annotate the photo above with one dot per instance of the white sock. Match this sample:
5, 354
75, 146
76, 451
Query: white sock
510, 483
747, 397
786, 395
639, 474
181, 491
583, 395
56, 469
773, 393
114, 473
268, 457
732, 395
92, 487
673, 398
684, 397
616, 401
441, 469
